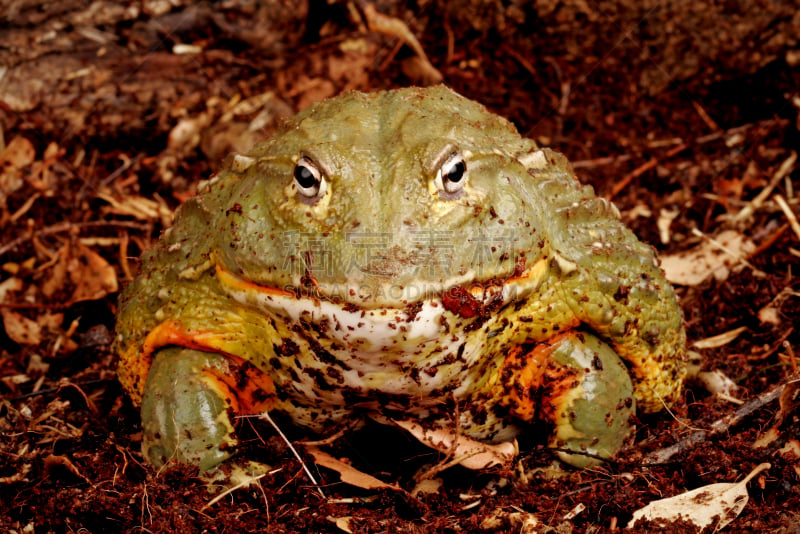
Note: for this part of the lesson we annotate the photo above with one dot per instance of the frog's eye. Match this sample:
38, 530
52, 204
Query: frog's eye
308, 179
451, 176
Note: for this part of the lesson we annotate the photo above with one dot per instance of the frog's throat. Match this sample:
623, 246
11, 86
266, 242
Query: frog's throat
422, 312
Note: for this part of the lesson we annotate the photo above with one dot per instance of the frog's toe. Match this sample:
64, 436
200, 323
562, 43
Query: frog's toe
588, 396
186, 409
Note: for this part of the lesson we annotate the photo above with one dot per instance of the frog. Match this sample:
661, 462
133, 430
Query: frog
399, 255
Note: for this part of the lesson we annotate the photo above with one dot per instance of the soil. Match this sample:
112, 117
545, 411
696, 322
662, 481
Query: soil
684, 113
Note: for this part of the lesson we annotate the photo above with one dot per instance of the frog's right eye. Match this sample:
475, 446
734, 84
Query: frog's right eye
308, 179
451, 176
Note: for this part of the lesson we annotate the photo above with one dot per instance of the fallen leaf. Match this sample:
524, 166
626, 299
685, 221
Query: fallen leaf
185, 135
394, 27
349, 474
144, 209
692, 267
720, 340
428, 485
58, 276
468, 452
9, 286
770, 315
21, 329
766, 438
791, 449
18, 154
342, 523
717, 382
789, 400
522, 522
94, 277
714, 504
54, 460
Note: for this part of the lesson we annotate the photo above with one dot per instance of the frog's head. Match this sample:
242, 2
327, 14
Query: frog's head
381, 200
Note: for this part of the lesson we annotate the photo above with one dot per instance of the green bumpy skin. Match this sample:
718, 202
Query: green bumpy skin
398, 255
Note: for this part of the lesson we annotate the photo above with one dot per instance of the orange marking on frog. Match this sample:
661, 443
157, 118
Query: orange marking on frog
522, 375
254, 390
229, 279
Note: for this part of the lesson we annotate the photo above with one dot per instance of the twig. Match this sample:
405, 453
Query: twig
711, 123
786, 167
768, 242
789, 214
265, 415
230, 490
717, 427
792, 359
65, 226
777, 345
599, 162
622, 184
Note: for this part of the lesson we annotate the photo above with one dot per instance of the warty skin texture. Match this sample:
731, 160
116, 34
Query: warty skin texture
514, 295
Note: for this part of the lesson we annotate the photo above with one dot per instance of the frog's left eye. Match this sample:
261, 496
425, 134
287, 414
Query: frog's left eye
451, 176
308, 179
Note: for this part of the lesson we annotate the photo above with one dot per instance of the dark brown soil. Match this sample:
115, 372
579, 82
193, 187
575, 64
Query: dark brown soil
111, 113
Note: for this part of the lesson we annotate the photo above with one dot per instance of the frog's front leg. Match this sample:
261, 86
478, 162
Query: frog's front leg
582, 388
189, 399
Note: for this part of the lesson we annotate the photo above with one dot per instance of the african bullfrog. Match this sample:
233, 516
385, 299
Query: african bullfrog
398, 255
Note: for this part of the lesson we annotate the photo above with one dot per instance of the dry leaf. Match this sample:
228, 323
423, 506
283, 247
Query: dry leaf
378, 22
53, 461
9, 286
771, 313
789, 400
342, 523
522, 522
766, 438
18, 154
349, 474
468, 452
715, 504
792, 448
142, 208
692, 267
59, 274
428, 485
720, 340
92, 276
185, 135
718, 383
21, 329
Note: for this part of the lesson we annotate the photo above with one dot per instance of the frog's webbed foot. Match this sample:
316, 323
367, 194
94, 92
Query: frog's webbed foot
187, 405
586, 394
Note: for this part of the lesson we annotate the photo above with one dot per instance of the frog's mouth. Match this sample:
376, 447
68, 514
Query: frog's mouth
417, 318
462, 296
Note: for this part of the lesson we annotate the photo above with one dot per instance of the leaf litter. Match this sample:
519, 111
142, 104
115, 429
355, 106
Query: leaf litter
95, 163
